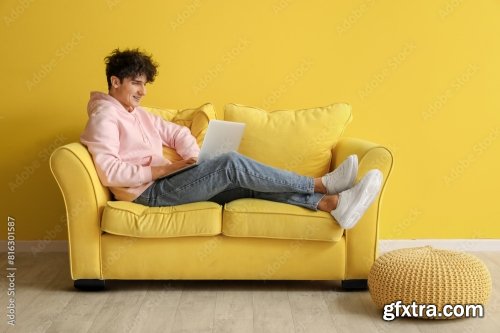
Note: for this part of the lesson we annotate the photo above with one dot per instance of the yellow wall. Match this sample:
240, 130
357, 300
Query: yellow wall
423, 78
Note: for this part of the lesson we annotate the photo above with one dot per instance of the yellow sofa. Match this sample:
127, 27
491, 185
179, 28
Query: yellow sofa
244, 239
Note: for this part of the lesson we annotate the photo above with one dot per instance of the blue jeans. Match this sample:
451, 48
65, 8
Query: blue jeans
229, 177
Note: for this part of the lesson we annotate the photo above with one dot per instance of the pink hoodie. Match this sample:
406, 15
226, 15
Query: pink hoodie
124, 145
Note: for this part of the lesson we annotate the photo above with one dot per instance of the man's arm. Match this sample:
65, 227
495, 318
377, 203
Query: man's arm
177, 137
101, 136
164, 170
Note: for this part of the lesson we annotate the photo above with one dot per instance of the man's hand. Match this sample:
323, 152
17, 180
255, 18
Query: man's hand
164, 170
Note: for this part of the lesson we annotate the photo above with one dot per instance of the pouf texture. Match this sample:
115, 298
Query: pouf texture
427, 275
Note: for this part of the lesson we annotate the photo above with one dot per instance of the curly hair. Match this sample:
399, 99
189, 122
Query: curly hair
130, 63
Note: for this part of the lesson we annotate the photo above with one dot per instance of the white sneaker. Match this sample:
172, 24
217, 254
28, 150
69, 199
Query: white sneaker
354, 202
342, 178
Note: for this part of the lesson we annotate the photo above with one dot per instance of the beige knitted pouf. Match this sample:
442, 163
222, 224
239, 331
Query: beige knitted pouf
429, 276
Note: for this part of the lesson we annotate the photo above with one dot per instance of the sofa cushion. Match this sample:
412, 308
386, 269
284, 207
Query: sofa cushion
268, 219
131, 219
295, 140
196, 119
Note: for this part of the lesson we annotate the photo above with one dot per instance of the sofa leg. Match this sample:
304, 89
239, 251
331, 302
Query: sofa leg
355, 284
89, 284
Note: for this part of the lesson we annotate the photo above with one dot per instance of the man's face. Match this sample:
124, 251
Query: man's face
130, 91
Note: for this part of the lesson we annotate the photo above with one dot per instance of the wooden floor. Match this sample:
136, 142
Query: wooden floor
47, 302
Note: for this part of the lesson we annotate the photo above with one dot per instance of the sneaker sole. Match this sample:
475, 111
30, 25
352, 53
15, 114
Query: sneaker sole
354, 169
367, 196
353, 166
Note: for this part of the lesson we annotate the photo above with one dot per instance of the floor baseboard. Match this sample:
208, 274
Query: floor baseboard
36, 246
466, 245
385, 245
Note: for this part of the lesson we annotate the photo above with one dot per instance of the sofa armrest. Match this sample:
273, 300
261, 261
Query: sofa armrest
362, 240
84, 198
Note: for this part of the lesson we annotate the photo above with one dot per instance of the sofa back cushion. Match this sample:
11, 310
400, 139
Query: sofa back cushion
195, 119
294, 140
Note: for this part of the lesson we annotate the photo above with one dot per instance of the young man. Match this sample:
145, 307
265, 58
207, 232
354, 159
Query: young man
126, 145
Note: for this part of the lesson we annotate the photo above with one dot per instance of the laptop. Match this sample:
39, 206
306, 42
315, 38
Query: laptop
221, 137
